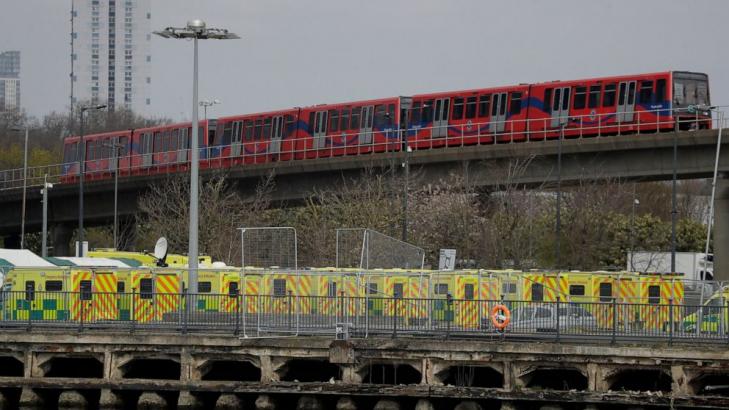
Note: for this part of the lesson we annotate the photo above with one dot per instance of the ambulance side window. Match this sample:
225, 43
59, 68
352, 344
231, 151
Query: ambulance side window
654, 295
29, 290
441, 289
372, 289
537, 292
85, 290
606, 292
332, 289
279, 287
54, 286
204, 287
468, 291
233, 289
397, 291
577, 290
145, 288
120, 287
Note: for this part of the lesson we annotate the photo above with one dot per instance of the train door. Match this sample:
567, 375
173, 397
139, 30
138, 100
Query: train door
146, 149
275, 144
498, 112
236, 141
365, 129
184, 146
440, 118
320, 130
626, 101
560, 106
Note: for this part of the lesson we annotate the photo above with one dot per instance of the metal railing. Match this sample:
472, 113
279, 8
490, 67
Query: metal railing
362, 316
363, 143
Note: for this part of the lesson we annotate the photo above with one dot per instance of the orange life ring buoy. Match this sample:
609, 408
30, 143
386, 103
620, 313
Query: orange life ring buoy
500, 317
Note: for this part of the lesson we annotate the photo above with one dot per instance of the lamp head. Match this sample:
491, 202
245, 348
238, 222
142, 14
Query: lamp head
196, 25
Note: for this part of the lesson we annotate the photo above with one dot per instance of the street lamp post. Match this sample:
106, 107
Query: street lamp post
195, 30
82, 173
25, 179
44, 191
208, 103
636, 202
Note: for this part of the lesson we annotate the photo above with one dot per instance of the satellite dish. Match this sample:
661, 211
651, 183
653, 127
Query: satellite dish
160, 251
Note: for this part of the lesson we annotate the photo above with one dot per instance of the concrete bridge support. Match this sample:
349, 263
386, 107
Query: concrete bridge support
721, 228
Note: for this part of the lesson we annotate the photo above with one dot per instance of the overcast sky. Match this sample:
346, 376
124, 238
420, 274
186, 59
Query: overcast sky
302, 52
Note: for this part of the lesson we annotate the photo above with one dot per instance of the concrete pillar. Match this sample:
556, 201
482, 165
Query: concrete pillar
309, 403
61, 239
508, 405
387, 405
679, 384
29, 400
508, 376
151, 401
423, 404
721, 228
71, 399
265, 402
346, 403
468, 405
110, 400
187, 401
350, 375
186, 365
227, 401
12, 241
268, 373
593, 376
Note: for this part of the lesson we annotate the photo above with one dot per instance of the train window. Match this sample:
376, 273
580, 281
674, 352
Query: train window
290, 124
233, 289
89, 150
441, 289
354, 123
608, 98
428, 111
660, 90
537, 292
646, 92
577, 290
312, 124
594, 100
495, 104
344, 120
227, 134
146, 289
415, 113
606, 292
257, 130
204, 287
70, 151
124, 145
380, 113
654, 294
54, 286
372, 289
85, 288
332, 289
483, 105
248, 124
120, 287
548, 100
508, 287
184, 138
398, 291
390, 115
515, 103
157, 142
457, 108
29, 290
471, 107
631, 92
279, 287
333, 120
621, 94
580, 98
468, 292
266, 132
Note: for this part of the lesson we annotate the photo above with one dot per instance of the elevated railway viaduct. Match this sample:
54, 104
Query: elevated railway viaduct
109, 370
627, 157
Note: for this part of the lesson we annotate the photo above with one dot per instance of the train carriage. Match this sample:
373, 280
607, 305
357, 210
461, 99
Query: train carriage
257, 138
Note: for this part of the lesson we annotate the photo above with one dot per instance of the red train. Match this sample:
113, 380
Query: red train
606, 106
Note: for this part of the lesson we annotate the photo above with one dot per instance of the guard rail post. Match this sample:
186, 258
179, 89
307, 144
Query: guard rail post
725, 314
237, 313
289, 308
341, 307
30, 310
670, 321
132, 314
185, 310
615, 320
557, 313
394, 317
81, 318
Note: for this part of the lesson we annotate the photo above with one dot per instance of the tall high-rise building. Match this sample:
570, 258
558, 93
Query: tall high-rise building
9, 81
111, 53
